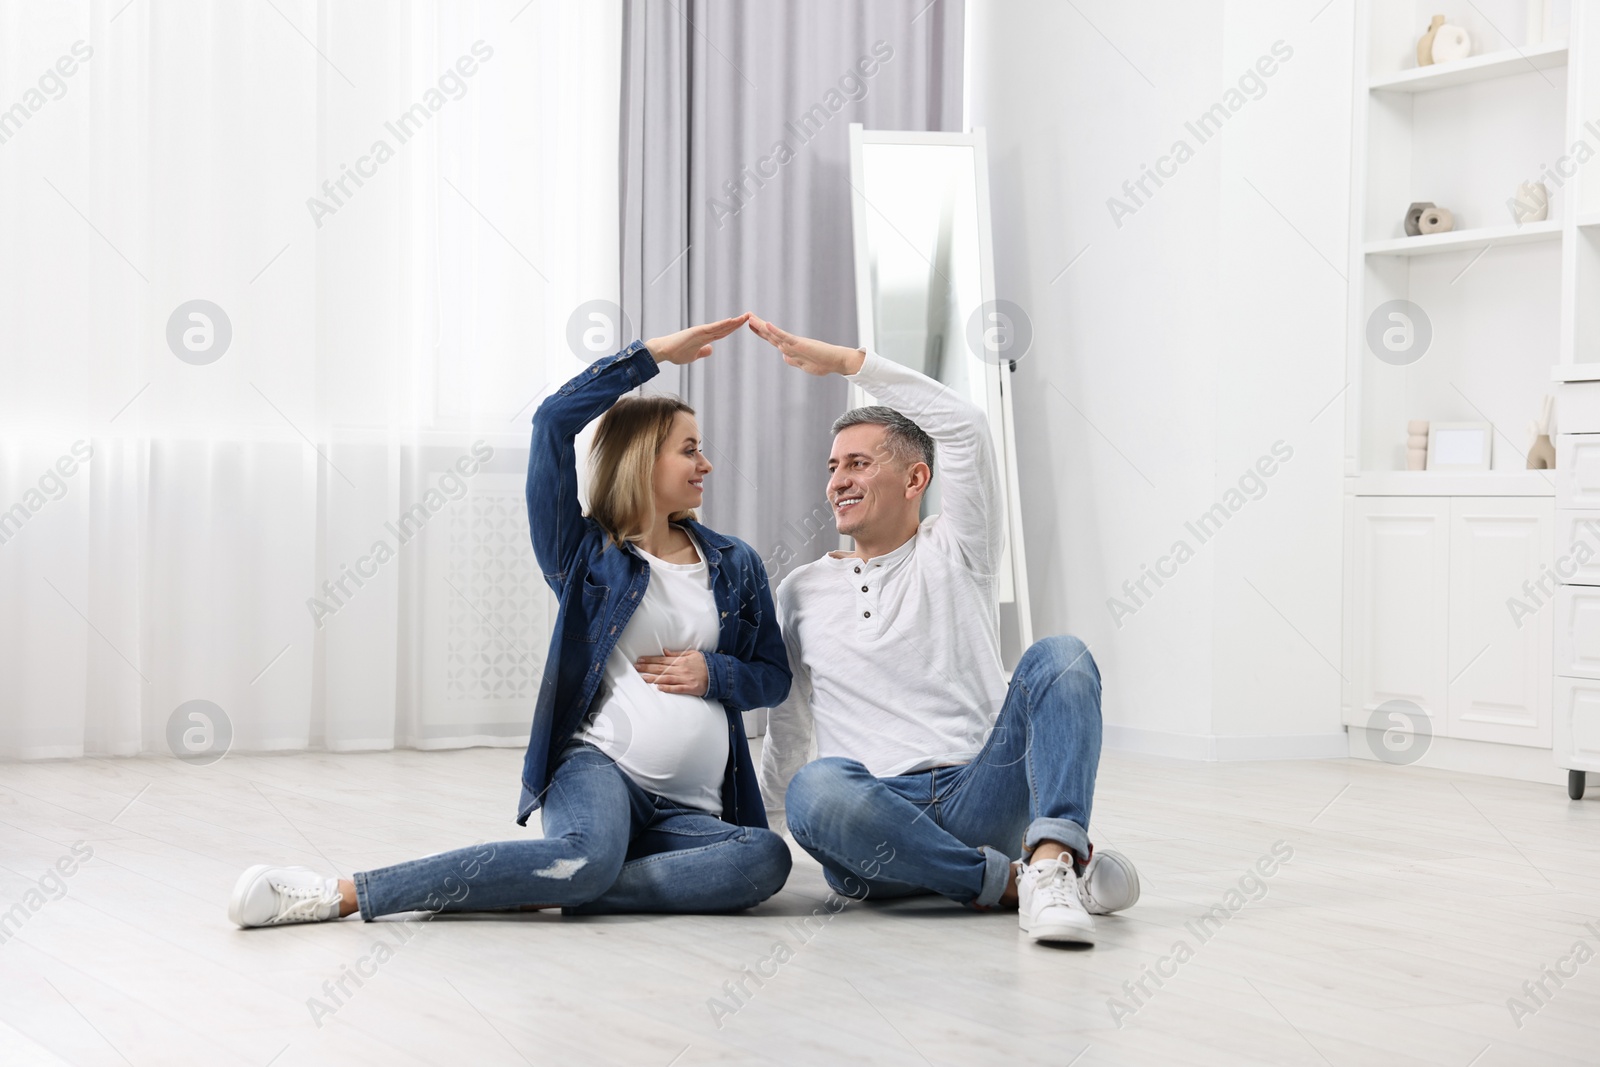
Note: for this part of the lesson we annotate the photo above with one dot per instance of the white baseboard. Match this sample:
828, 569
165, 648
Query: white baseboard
1224, 747
446, 744
1282, 746
359, 744
38, 752
1475, 757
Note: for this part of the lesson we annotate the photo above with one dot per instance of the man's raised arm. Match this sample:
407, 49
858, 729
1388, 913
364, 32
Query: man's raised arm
971, 508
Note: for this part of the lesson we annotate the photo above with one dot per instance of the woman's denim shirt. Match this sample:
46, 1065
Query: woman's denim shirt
599, 586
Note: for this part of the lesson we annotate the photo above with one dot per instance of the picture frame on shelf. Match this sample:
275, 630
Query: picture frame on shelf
1460, 446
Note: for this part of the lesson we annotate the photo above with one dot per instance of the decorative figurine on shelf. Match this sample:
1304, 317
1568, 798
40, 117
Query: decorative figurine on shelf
1413, 214
1531, 204
1542, 454
1417, 445
1450, 43
1436, 220
1425, 42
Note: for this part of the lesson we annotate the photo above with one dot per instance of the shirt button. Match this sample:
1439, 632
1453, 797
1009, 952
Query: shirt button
866, 614
858, 570
863, 589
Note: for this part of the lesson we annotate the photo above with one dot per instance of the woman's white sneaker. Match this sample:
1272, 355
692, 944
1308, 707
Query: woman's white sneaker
1110, 883
1049, 906
272, 896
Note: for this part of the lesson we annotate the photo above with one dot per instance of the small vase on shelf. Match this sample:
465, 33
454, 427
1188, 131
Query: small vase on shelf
1436, 220
1425, 42
1450, 43
1531, 203
1542, 454
1414, 216
1417, 445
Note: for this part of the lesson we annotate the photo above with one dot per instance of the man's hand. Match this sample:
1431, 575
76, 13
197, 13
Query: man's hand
676, 672
811, 356
686, 346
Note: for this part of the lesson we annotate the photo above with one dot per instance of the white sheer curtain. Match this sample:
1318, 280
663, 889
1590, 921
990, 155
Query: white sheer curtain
393, 209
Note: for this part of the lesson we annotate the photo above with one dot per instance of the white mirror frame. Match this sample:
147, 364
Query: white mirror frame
1013, 563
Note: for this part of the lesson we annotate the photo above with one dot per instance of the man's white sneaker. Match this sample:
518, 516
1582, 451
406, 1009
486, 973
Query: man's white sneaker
1109, 883
271, 896
1049, 906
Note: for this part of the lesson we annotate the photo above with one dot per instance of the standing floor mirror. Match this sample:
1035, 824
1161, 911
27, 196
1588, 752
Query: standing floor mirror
925, 295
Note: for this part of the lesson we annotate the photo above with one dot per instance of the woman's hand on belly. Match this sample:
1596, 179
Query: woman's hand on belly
676, 672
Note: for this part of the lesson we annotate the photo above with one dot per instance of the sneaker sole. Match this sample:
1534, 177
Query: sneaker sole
241, 889
1060, 932
1083, 933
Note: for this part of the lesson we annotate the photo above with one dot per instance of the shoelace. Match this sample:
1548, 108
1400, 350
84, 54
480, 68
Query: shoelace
304, 906
1059, 885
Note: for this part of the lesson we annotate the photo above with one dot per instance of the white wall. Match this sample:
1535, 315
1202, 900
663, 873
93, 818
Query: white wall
1178, 349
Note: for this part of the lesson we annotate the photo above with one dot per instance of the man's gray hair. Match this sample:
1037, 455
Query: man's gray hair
908, 441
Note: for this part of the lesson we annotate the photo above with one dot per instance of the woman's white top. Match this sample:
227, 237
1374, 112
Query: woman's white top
670, 744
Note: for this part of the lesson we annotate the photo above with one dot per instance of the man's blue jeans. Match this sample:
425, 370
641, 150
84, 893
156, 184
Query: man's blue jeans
955, 830
608, 846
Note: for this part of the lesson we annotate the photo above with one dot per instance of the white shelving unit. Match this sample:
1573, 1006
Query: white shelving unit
1461, 240
1500, 298
1432, 559
1474, 69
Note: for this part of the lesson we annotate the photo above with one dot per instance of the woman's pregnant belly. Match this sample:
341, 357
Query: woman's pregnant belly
671, 744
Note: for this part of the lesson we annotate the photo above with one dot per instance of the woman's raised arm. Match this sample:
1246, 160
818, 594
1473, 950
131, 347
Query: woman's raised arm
555, 518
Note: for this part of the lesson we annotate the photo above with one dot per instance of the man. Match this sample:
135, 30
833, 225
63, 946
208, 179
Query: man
933, 772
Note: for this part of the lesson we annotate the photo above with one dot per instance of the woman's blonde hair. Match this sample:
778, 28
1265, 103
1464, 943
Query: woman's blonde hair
622, 461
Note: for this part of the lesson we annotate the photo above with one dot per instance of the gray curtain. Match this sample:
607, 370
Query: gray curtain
736, 197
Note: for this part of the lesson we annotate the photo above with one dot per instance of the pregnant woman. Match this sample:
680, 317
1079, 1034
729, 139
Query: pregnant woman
666, 632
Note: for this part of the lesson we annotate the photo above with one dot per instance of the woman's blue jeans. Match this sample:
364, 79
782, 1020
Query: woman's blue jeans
955, 830
608, 847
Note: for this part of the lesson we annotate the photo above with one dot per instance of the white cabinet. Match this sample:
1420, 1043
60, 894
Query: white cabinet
1577, 724
1499, 656
1578, 632
1578, 545
1578, 470
1432, 581
1576, 729
1401, 602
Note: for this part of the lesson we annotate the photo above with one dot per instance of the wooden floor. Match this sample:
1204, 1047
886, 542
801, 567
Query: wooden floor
1416, 905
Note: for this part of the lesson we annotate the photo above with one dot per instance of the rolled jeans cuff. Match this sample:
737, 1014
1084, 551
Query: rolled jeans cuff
1065, 831
996, 875
363, 895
